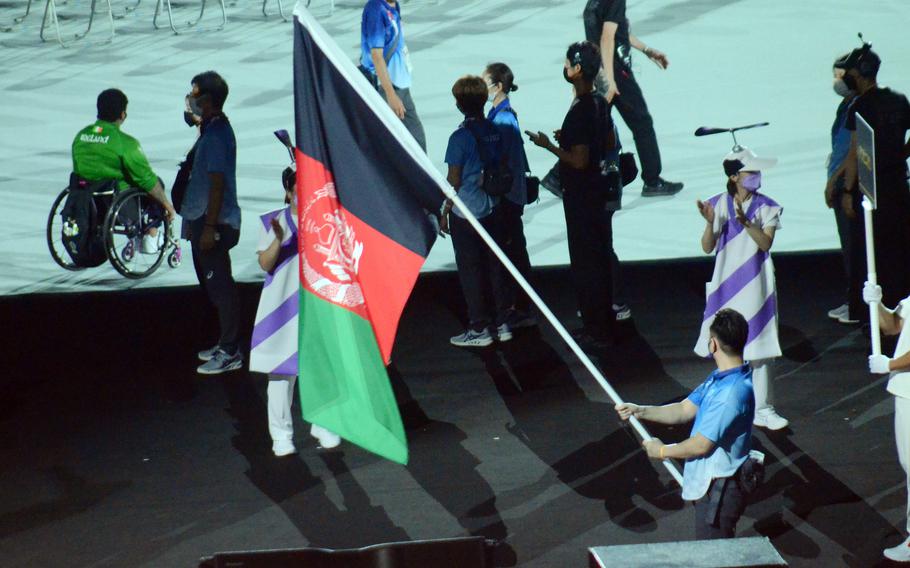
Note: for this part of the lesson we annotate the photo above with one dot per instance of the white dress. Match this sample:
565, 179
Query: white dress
743, 275
273, 348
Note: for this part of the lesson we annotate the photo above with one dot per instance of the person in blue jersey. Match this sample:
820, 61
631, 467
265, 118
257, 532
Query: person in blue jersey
385, 58
500, 82
719, 446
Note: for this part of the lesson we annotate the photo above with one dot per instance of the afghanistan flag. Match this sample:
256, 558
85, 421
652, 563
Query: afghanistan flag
364, 189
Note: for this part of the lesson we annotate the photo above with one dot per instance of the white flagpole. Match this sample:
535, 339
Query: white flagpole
874, 332
554, 321
344, 65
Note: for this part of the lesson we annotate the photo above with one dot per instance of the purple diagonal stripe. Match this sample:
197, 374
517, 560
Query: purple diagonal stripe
762, 318
267, 218
286, 254
731, 230
288, 367
734, 283
275, 320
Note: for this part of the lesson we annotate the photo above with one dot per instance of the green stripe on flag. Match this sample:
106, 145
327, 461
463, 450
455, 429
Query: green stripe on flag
343, 382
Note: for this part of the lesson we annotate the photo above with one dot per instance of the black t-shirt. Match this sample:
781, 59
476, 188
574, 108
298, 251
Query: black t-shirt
888, 113
599, 11
580, 128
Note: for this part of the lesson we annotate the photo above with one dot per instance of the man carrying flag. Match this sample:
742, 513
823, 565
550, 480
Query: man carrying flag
364, 188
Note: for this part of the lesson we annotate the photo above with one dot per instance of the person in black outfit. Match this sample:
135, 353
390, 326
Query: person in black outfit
888, 113
589, 220
606, 25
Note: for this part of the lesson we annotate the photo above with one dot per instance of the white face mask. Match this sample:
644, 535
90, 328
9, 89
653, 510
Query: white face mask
491, 93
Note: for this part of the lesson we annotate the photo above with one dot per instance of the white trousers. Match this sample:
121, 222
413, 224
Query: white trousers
280, 396
902, 437
762, 383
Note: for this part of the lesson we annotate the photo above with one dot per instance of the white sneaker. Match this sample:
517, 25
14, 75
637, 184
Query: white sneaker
840, 311
769, 418
150, 244
471, 338
327, 438
283, 448
504, 332
899, 553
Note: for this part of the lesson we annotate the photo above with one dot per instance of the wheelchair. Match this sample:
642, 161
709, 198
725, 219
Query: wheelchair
119, 222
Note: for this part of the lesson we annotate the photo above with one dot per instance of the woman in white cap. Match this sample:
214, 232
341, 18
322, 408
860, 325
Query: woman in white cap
740, 229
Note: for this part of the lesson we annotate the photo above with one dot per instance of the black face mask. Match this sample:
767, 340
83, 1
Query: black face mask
565, 75
850, 81
189, 118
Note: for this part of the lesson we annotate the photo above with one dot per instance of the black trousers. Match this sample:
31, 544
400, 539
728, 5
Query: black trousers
589, 229
486, 286
516, 248
851, 235
634, 112
717, 513
891, 226
213, 269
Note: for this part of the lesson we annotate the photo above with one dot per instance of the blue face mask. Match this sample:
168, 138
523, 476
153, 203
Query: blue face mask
752, 181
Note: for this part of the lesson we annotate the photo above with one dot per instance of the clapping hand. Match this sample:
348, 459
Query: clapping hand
706, 210
741, 216
276, 228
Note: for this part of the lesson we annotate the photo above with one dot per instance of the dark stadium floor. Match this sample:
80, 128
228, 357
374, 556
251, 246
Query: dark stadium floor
113, 452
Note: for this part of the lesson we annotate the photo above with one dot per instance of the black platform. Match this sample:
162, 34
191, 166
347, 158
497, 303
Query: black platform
113, 452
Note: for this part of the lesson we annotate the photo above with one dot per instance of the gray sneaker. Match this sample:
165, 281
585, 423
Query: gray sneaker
503, 332
471, 338
221, 362
207, 354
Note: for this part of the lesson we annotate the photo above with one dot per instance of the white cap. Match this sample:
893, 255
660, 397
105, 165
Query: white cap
750, 162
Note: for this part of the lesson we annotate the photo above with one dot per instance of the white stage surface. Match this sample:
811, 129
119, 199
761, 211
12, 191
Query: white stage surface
732, 62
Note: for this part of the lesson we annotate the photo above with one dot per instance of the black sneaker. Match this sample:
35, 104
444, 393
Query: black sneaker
660, 188
591, 342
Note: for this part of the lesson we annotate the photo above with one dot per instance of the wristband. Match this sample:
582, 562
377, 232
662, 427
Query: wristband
662, 451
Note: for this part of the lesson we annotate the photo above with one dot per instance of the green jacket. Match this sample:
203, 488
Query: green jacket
101, 151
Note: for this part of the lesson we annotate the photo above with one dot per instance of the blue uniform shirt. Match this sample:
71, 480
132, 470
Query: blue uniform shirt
505, 119
462, 151
380, 27
726, 408
840, 138
216, 152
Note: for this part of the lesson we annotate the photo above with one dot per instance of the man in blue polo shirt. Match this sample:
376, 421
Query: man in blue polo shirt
384, 55
723, 408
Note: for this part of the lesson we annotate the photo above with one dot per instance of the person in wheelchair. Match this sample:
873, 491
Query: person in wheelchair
103, 152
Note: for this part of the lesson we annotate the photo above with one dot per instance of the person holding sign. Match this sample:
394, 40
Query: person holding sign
891, 322
887, 112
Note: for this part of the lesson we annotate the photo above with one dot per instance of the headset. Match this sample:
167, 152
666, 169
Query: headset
866, 65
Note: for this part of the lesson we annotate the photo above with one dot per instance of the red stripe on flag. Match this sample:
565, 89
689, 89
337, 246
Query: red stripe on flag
347, 262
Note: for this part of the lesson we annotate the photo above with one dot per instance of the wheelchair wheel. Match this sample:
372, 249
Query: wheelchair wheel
134, 221
55, 234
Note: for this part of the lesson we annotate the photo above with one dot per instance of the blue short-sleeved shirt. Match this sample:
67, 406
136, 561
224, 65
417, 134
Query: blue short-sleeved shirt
216, 152
380, 27
726, 408
505, 119
462, 151
840, 138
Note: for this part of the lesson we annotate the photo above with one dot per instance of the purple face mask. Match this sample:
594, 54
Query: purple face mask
752, 181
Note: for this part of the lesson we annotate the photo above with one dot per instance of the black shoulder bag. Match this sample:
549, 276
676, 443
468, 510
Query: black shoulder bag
497, 178
608, 179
